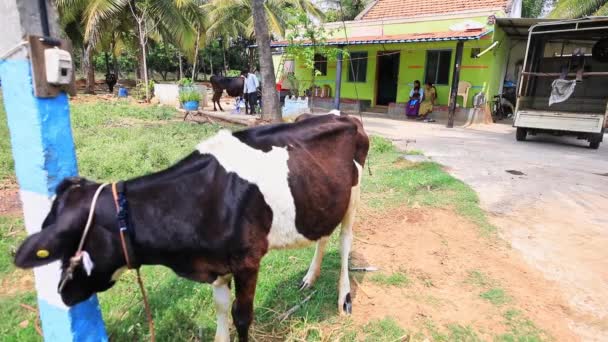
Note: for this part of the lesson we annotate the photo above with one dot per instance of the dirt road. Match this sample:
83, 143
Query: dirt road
547, 196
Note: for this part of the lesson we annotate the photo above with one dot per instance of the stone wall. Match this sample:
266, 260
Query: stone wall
295, 106
345, 104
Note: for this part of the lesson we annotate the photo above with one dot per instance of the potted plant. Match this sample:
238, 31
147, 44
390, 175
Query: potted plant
189, 97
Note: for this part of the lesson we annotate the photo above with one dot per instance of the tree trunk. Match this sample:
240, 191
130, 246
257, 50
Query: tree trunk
144, 69
181, 66
89, 69
203, 69
140, 63
225, 65
211, 63
107, 58
270, 99
114, 58
198, 37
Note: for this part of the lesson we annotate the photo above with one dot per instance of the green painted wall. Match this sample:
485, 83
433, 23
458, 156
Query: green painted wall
483, 73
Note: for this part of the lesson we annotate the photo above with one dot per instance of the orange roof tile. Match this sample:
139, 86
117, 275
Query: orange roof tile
384, 9
403, 38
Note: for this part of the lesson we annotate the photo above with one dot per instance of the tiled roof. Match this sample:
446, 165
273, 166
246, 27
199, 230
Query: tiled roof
384, 9
404, 38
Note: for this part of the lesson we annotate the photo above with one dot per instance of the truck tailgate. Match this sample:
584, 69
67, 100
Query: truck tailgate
560, 121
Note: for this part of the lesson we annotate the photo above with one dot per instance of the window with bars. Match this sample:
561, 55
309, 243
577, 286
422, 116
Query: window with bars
438, 66
357, 68
320, 65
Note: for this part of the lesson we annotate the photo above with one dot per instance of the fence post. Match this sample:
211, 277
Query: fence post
43, 152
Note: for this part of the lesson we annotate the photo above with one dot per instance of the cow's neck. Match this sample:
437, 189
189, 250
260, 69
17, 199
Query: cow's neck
160, 210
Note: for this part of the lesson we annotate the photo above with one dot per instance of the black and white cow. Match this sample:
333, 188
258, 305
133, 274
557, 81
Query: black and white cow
212, 216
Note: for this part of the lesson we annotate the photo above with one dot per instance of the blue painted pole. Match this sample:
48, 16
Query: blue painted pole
43, 151
338, 81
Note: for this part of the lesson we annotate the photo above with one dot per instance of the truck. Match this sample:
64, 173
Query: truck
563, 87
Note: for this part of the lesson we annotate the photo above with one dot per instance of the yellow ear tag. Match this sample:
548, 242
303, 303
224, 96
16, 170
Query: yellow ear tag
42, 253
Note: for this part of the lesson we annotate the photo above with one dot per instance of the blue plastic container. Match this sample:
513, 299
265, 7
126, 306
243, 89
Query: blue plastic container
123, 92
190, 105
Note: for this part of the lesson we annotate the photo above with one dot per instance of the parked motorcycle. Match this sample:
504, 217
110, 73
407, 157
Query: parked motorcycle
503, 104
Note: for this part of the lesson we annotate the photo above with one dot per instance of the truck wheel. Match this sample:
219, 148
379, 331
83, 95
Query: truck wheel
595, 140
520, 134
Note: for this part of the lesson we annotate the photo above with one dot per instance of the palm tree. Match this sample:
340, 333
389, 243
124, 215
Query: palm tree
579, 8
246, 18
232, 18
70, 19
270, 98
150, 18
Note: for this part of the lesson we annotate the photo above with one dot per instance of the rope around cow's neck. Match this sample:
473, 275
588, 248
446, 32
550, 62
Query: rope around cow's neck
75, 260
90, 218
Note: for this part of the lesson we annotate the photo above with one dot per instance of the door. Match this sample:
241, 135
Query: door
387, 75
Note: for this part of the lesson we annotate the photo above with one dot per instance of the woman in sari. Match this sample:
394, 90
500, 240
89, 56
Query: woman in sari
430, 95
413, 105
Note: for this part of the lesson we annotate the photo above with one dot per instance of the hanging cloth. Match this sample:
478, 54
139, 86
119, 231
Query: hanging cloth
561, 90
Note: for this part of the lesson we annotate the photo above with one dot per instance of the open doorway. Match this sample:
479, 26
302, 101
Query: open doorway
387, 76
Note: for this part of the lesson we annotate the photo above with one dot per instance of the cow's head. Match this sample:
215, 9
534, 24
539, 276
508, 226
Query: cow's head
61, 233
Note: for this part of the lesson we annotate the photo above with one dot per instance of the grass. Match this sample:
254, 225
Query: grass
478, 278
414, 153
6, 159
397, 182
496, 296
521, 329
11, 234
452, 332
397, 279
386, 329
115, 140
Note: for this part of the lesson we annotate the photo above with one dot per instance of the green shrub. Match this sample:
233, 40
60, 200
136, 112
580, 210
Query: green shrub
380, 145
140, 91
189, 94
185, 82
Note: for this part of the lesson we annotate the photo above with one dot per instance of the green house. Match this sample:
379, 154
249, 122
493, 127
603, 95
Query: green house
394, 42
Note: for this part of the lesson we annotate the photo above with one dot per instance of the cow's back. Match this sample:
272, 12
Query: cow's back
322, 152
232, 85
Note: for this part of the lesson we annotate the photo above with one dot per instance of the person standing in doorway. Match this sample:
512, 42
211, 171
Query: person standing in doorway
250, 90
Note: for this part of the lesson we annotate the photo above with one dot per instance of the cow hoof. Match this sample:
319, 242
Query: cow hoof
347, 307
305, 284
308, 281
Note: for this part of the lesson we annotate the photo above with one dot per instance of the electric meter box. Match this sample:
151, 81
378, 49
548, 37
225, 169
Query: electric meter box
58, 65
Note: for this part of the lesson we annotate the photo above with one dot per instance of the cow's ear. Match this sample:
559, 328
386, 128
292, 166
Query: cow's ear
40, 249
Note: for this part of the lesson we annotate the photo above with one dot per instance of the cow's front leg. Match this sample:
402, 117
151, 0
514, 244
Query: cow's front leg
242, 308
315, 266
221, 296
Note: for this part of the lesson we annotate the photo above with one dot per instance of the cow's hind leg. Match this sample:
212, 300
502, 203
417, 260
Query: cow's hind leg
216, 99
242, 308
315, 266
221, 296
345, 305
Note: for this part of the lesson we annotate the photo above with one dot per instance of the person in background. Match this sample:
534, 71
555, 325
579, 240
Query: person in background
413, 105
250, 90
426, 107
